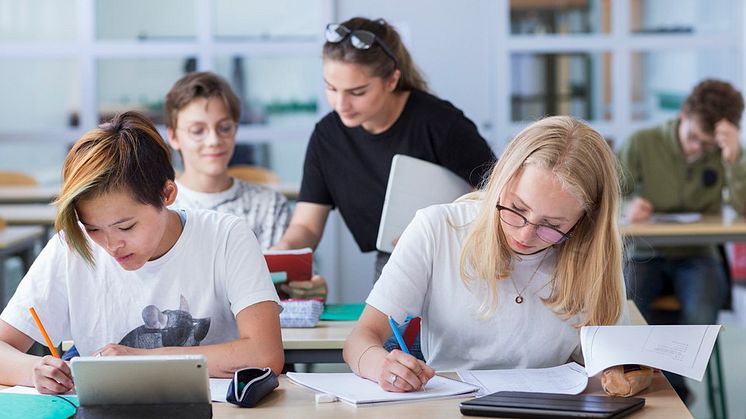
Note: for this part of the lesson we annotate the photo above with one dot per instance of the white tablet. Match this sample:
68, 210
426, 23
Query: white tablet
414, 184
155, 379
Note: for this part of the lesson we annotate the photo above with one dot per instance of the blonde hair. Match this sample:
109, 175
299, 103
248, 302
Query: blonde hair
588, 275
125, 154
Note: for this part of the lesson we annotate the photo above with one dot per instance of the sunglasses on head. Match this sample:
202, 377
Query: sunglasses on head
359, 38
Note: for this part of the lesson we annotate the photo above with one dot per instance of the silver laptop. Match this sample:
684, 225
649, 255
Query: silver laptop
414, 184
156, 379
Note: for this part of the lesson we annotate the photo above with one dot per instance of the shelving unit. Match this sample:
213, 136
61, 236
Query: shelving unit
640, 58
272, 63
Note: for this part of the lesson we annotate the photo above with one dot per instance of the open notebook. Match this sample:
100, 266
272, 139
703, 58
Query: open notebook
353, 389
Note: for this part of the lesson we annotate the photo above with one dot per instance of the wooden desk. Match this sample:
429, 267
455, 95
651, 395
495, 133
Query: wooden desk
28, 214
293, 401
320, 344
17, 241
28, 195
710, 230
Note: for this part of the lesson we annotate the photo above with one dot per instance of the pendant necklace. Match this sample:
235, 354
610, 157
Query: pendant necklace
519, 297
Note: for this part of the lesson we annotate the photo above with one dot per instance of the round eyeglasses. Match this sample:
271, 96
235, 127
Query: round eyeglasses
359, 38
546, 233
199, 132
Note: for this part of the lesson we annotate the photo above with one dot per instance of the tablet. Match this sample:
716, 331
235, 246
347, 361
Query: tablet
414, 184
156, 379
516, 404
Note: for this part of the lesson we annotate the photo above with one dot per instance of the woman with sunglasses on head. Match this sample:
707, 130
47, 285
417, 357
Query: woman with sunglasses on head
381, 108
528, 259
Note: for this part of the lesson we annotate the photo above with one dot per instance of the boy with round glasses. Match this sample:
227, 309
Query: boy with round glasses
202, 116
683, 165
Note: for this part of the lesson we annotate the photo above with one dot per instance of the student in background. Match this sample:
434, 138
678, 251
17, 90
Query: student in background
528, 260
127, 276
202, 116
684, 165
381, 108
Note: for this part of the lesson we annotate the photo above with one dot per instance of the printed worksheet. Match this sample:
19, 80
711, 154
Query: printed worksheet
565, 379
681, 349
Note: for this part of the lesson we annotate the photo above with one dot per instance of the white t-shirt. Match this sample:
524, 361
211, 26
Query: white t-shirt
422, 279
189, 296
266, 210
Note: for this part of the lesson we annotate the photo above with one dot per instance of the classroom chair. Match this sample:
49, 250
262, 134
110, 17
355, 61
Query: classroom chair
12, 178
254, 174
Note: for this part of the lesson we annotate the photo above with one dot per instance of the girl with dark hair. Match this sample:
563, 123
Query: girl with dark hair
124, 268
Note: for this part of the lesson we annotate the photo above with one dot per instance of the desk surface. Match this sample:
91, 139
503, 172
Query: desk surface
326, 335
28, 214
710, 230
28, 195
293, 401
12, 236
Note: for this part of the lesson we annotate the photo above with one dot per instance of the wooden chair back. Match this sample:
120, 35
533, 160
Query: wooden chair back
254, 174
12, 178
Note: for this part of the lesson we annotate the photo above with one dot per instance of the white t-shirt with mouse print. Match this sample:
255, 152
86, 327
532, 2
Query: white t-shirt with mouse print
186, 297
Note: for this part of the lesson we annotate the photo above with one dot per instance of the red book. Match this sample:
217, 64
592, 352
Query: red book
297, 263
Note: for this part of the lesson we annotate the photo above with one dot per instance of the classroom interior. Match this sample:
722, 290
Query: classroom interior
67, 65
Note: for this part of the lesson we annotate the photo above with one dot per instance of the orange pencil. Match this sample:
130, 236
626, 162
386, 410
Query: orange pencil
44, 333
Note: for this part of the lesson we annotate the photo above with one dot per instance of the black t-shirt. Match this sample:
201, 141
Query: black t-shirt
348, 168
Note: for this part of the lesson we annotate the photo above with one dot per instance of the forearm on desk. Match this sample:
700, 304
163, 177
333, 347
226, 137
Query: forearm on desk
16, 367
224, 359
364, 353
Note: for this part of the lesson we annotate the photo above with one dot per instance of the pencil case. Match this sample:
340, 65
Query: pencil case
251, 385
300, 313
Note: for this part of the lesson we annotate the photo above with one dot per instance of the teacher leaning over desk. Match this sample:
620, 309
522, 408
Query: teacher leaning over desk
381, 108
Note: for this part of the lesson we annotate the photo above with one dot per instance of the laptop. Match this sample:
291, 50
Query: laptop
156, 379
414, 184
516, 404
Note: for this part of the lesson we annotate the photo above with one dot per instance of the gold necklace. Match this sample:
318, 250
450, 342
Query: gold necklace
519, 297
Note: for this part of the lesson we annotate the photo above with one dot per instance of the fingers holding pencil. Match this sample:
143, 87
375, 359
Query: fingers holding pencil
52, 376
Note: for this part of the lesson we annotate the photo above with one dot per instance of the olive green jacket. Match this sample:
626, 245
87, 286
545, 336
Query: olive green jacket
654, 167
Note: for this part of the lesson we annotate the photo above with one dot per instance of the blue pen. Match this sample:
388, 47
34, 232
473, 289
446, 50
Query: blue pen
398, 336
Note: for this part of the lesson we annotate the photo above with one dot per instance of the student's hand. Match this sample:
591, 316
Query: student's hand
315, 288
52, 376
727, 138
113, 349
626, 380
639, 210
401, 372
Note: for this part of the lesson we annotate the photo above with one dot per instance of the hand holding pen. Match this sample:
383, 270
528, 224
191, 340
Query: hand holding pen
400, 371
51, 375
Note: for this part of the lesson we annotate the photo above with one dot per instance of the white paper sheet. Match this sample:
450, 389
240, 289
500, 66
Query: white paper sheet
678, 217
683, 349
20, 390
350, 388
565, 379
219, 389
